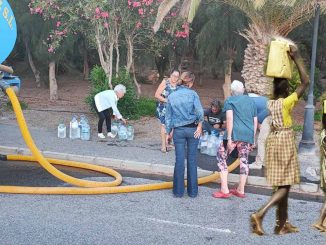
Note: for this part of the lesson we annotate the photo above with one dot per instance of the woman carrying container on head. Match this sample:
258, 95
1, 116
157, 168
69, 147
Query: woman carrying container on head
166, 87
185, 115
281, 160
319, 225
106, 103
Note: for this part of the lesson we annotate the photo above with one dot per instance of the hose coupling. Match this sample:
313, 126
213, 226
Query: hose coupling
4, 85
3, 157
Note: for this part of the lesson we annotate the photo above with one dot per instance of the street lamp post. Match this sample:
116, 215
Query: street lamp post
307, 143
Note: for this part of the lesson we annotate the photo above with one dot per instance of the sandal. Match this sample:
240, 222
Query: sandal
164, 150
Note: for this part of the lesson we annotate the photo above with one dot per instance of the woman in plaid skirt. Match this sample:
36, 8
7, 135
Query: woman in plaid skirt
319, 225
281, 160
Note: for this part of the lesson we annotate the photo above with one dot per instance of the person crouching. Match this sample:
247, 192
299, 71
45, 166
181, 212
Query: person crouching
106, 103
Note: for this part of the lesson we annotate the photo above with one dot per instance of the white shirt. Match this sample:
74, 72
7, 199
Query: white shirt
107, 99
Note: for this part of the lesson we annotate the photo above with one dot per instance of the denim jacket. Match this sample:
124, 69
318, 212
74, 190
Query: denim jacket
183, 107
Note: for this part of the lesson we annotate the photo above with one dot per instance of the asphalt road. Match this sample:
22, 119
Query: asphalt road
137, 218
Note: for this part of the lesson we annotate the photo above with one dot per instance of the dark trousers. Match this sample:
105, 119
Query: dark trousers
104, 115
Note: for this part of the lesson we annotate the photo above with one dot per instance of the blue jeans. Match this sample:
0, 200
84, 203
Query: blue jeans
184, 137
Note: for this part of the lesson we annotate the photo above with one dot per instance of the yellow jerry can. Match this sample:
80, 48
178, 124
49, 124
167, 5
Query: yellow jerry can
279, 63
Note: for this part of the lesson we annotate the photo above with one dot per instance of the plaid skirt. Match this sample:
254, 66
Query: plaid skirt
281, 159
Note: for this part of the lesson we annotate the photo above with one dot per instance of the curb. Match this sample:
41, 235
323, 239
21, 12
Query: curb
308, 190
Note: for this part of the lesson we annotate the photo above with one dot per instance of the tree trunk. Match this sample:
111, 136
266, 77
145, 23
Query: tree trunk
200, 73
36, 72
86, 66
227, 79
138, 86
105, 65
111, 48
117, 65
53, 82
130, 53
253, 73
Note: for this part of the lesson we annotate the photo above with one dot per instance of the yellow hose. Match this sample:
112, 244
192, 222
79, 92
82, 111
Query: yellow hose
93, 187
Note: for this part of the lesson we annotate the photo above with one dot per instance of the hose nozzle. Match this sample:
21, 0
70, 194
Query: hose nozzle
4, 85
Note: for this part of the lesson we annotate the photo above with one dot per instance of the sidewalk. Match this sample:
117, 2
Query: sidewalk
138, 155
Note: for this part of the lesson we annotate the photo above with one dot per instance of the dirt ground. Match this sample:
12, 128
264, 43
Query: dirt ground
43, 113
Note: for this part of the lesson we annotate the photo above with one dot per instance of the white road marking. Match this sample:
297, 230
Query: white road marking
189, 225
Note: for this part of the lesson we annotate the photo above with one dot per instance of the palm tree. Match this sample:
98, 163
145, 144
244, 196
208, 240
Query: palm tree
268, 18
187, 11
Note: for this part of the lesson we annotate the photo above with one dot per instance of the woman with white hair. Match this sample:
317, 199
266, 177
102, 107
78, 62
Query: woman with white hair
106, 103
241, 125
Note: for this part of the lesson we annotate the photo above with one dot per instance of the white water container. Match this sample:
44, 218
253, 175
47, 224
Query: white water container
203, 144
212, 145
114, 128
74, 132
85, 131
62, 131
130, 132
122, 132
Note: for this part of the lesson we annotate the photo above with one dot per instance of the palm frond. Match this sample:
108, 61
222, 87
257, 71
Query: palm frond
277, 16
193, 9
163, 10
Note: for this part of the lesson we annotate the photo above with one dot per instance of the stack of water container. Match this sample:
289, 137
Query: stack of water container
209, 143
81, 129
77, 129
124, 132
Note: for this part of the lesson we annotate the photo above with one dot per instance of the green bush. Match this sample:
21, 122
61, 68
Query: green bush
23, 105
129, 106
147, 107
318, 115
98, 82
297, 128
295, 82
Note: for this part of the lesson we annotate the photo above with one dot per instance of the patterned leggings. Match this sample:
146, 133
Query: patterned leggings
243, 149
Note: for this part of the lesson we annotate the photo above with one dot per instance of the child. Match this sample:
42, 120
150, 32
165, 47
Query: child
319, 225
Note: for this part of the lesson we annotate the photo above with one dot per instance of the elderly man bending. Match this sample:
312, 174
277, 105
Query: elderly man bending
241, 125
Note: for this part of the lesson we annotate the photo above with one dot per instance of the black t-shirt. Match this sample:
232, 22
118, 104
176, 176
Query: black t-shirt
212, 118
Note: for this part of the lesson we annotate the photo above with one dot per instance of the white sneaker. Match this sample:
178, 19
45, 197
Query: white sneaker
101, 136
111, 135
255, 165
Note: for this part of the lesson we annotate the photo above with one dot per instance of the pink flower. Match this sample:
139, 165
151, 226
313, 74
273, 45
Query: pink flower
58, 24
138, 25
50, 49
136, 4
106, 25
97, 11
105, 15
141, 11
